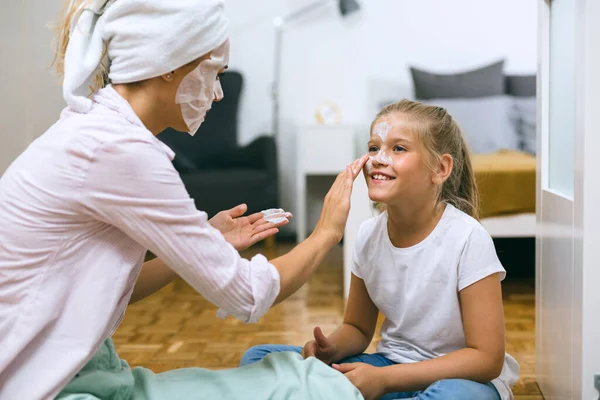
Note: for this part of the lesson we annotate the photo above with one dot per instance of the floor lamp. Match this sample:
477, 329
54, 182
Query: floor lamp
346, 7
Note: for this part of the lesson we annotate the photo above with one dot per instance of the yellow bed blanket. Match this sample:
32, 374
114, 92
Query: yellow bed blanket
506, 182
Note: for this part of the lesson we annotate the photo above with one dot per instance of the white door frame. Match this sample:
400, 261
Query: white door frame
587, 181
577, 297
556, 354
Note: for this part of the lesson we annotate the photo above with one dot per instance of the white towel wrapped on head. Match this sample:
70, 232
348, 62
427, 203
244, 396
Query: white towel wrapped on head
144, 39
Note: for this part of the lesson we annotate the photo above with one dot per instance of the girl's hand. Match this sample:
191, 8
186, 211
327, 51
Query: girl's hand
365, 377
321, 348
243, 232
337, 201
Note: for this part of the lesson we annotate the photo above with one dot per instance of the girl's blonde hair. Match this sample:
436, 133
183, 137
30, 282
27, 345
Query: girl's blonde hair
439, 134
72, 10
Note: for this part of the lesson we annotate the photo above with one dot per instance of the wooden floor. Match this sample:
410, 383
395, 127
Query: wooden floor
177, 328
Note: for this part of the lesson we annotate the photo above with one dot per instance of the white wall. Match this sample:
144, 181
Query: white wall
30, 97
326, 57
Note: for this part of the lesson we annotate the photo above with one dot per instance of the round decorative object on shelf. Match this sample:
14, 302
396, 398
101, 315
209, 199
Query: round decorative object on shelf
328, 114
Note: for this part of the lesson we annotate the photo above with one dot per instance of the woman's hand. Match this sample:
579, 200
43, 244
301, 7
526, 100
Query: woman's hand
337, 201
365, 377
321, 347
243, 232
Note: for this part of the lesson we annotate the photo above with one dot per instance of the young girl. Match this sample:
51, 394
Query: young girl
428, 265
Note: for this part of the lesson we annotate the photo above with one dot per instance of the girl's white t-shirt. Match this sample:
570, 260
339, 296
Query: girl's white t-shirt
417, 288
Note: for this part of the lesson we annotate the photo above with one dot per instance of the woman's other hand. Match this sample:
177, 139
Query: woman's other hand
243, 232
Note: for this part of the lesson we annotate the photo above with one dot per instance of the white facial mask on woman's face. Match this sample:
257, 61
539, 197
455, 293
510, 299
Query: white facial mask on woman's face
200, 88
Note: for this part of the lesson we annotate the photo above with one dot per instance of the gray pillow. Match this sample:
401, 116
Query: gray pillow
481, 82
526, 117
520, 85
486, 122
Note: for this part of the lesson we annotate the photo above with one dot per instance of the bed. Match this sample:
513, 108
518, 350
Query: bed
506, 181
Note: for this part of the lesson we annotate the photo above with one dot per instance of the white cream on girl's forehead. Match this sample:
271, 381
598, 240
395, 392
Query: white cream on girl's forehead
382, 129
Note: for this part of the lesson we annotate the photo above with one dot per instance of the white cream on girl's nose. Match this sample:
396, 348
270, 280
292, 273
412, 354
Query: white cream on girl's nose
381, 158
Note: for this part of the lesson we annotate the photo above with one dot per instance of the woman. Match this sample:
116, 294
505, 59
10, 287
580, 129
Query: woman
82, 205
